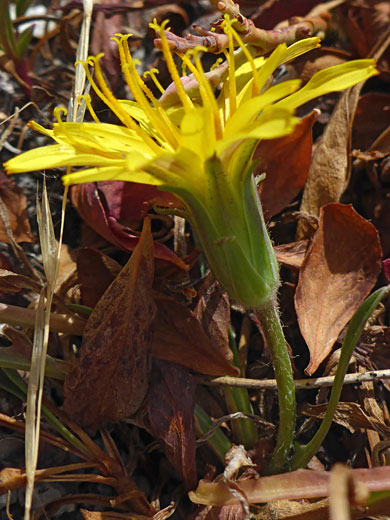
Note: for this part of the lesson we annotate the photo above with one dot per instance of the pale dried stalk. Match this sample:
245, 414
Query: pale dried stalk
75, 109
22, 317
300, 384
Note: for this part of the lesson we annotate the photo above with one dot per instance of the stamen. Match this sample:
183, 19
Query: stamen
57, 114
227, 27
205, 89
110, 100
231, 85
152, 73
102, 90
184, 98
142, 94
216, 64
249, 57
87, 100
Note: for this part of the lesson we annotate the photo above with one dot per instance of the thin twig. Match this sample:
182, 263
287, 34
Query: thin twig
232, 416
300, 384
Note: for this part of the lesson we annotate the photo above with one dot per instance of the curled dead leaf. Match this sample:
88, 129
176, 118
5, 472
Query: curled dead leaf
109, 206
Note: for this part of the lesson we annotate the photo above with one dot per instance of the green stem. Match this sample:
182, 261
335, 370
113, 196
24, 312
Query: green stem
274, 337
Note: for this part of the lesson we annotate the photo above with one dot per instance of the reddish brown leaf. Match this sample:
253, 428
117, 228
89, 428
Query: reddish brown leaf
213, 313
16, 207
112, 373
366, 24
95, 272
170, 404
5, 262
286, 161
338, 273
103, 204
103, 28
371, 119
179, 337
273, 11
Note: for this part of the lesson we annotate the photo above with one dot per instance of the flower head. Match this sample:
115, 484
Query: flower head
197, 141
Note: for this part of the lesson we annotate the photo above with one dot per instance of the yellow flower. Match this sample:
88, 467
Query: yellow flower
197, 142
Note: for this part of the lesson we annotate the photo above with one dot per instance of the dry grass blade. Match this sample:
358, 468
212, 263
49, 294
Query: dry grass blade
76, 110
41, 337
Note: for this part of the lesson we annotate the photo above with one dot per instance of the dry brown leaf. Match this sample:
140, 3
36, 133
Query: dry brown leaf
372, 118
330, 168
112, 374
367, 22
349, 415
14, 282
294, 510
95, 272
292, 255
339, 271
16, 207
373, 350
11, 478
170, 405
179, 337
213, 313
66, 268
20, 344
286, 161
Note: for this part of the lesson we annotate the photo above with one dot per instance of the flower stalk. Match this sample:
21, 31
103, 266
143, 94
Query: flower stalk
273, 334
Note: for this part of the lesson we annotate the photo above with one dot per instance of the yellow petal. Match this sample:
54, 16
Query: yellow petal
101, 138
265, 72
197, 132
250, 109
300, 47
331, 79
54, 156
109, 173
182, 171
273, 123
